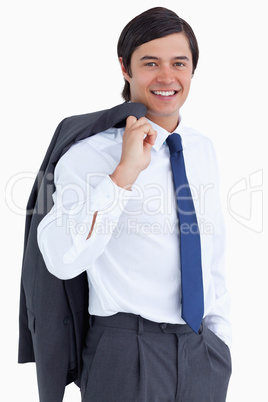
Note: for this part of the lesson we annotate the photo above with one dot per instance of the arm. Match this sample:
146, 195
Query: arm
218, 318
68, 236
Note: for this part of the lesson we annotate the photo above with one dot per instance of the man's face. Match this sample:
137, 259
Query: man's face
161, 77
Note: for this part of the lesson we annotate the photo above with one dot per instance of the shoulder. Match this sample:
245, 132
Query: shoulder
91, 154
95, 144
193, 139
198, 149
191, 136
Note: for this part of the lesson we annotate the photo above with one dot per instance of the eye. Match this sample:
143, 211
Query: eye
151, 64
179, 64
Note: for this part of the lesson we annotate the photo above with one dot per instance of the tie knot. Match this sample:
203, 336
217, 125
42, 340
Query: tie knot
174, 143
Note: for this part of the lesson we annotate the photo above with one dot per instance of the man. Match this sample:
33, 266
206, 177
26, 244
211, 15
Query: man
115, 216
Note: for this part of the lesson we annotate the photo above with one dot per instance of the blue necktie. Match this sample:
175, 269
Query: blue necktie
190, 248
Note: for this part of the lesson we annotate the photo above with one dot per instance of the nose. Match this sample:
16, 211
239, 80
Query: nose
165, 75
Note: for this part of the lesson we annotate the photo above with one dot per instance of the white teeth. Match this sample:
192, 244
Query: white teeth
164, 93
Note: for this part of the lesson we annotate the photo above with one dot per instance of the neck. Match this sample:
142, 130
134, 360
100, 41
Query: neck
169, 123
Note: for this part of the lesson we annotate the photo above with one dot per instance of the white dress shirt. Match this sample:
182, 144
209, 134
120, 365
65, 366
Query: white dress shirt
128, 241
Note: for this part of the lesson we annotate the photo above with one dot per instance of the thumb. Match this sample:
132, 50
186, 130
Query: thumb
130, 121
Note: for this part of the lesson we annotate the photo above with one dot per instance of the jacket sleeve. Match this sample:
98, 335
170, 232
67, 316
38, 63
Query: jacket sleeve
30, 259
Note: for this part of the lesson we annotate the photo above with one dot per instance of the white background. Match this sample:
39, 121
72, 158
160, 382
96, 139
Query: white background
59, 59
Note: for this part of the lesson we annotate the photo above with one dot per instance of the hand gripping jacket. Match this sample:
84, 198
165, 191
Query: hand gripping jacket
54, 313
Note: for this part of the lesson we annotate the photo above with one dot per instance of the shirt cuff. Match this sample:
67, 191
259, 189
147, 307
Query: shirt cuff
108, 198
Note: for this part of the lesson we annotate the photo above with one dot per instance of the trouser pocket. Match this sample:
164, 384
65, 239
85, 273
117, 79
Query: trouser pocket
221, 365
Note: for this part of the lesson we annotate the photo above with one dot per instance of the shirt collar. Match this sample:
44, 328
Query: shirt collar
162, 134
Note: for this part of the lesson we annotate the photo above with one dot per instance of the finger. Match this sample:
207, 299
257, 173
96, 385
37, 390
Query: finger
143, 126
148, 129
151, 137
130, 121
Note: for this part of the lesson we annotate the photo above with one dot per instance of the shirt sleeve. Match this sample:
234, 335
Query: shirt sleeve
87, 207
218, 317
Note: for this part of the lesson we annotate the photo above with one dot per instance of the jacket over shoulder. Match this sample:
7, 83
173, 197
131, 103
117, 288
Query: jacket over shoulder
53, 318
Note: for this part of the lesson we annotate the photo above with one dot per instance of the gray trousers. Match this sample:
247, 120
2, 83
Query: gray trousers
130, 359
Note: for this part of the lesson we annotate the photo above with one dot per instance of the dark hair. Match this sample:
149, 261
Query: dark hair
152, 24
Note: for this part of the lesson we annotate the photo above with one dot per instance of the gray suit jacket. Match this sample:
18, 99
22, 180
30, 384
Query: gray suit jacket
54, 313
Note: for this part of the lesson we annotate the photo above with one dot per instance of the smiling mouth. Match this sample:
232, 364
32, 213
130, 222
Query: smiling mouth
165, 93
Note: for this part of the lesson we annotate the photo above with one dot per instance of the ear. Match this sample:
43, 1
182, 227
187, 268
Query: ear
123, 69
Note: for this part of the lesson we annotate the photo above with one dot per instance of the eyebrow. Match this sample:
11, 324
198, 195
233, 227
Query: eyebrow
157, 58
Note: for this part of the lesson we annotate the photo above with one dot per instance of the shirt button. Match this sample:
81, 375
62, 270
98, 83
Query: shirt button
66, 321
163, 326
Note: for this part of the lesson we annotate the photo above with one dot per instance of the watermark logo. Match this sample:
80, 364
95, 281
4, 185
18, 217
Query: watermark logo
245, 201
244, 198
